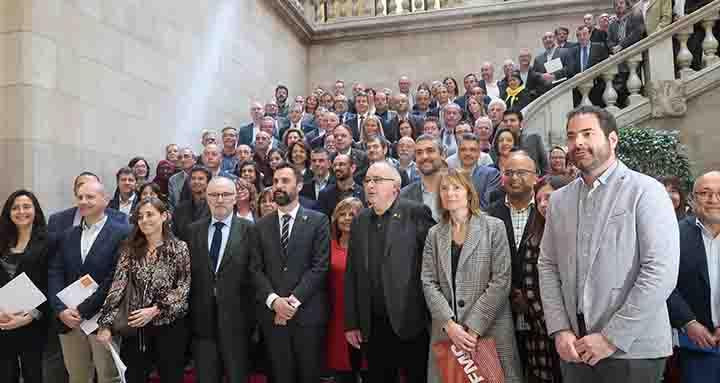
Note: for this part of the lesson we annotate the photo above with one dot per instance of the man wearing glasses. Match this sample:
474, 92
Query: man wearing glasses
385, 310
518, 180
695, 303
221, 292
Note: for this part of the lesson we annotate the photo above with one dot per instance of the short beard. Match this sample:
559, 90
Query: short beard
282, 198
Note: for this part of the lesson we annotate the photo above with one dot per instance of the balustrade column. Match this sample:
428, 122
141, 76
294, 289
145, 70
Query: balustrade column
584, 90
634, 83
418, 5
710, 43
684, 57
610, 96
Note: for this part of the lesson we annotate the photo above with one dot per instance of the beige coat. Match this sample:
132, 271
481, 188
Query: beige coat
482, 284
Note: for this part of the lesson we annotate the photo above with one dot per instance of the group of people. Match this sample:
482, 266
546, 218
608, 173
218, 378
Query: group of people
343, 237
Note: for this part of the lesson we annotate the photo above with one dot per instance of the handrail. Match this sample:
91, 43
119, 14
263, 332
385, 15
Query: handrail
636, 49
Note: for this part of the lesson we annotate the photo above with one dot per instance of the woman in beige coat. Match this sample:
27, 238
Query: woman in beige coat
466, 277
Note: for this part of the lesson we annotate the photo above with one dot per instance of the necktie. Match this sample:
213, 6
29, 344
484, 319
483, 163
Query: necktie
583, 58
215, 244
285, 232
360, 122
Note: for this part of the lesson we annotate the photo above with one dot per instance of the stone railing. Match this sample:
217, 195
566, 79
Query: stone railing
659, 84
328, 11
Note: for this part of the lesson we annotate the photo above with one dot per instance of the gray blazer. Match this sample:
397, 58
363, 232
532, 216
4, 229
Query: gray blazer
633, 268
482, 288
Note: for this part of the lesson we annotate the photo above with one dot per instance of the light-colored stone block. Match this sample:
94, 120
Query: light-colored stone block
39, 60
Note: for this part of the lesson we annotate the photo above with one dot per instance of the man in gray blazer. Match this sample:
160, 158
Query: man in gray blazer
608, 262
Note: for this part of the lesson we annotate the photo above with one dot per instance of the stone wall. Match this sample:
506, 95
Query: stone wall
85, 85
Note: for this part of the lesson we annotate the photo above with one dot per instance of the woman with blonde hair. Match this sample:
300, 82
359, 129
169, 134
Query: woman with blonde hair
466, 277
372, 126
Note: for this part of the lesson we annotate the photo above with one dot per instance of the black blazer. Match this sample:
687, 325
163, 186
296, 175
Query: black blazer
302, 272
66, 265
114, 203
390, 123
63, 220
598, 53
34, 263
328, 198
184, 215
245, 134
634, 31
308, 190
230, 288
500, 210
533, 145
361, 161
691, 298
353, 124
522, 100
404, 244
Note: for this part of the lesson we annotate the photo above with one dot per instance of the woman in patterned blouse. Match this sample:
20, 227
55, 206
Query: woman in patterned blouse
159, 265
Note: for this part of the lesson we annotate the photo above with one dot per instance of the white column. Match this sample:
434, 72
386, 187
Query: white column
610, 95
710, 43
584, 90
684, 57
634, 83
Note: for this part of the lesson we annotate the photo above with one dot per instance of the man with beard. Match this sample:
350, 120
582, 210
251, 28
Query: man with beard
388, 117
247, 133
496, 110
344, 186
229, 140
531, 143
289, 274
281, 96
195, 208
695, 302
515, 211
344, 145
320, 166
405, 150
608, 262
401, 105
429, 159
385, 311
377, 150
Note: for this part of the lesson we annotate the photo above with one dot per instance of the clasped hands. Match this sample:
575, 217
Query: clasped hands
285, 309
589, 349
137, 319
701, 336
13, 321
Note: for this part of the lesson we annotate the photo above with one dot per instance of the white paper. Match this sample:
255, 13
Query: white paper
553, 65
121, 367
76, 294
20, 295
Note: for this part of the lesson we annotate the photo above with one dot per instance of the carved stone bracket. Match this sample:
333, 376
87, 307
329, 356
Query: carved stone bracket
667, 98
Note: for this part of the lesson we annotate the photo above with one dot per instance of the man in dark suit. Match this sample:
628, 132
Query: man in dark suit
561, 36
246, 134
531, 143
362, 106
516, 211
65, 219
289, 272
328, 122
389, 118
293, 120
341, 108
322, 178
429, 161
401, 105
551, 52
344, 145
584, 56
385, 310
469, 81
195, 208
343, 187
422, 105
221, 294
693, 304
92, 250
628, 29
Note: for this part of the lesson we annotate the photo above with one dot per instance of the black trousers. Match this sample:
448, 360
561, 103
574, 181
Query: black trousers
53, 363
356, 358
162, 345
297, 353
387, 354
27, 363
615, 371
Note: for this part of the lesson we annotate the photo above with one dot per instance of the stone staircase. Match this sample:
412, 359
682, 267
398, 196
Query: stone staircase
661, 97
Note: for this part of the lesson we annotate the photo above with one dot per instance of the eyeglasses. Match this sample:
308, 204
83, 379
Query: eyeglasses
707, 195
216, 196
376, 180
522, 173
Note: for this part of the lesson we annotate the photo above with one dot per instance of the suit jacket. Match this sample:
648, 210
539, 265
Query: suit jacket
517, 252
302, 272
245, 134
390, 123
598, 53
114, 203
175, 186
361, 161
658, 15
34, 263
63, 220
415, 121
230, 289
328, 198
485, 179
402, 264
634, 31
691, 298
523, 98
184, 215
478, 296
353, 123
633, 265
533, 145
67, 266
308, 190
538, 65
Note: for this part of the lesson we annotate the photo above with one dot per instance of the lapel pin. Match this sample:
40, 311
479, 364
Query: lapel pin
396, 215
304, 218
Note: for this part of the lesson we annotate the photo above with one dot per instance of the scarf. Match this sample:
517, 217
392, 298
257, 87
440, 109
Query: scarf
512, 95
160, 178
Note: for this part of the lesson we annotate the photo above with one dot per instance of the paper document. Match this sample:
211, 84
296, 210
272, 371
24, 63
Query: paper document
77, 293
121, 367
20, 295
553, 65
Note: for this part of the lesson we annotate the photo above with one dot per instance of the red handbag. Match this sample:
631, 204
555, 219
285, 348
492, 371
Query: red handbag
457, 366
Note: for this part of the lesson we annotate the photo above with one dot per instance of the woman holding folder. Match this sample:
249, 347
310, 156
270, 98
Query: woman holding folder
466, 278
23, 249
148, 300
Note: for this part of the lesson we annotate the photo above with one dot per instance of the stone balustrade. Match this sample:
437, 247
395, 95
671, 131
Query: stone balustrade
650, 71
328, 11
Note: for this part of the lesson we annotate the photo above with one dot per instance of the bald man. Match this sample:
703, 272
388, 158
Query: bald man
385, 310
90, 249
246, 134
695, 303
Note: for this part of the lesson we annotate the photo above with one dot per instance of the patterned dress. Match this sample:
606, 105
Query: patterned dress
543, 360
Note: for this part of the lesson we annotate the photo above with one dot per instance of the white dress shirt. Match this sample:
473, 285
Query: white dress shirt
712, 252
293, 213
89, 235
126, 207
225, 236
492, 89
